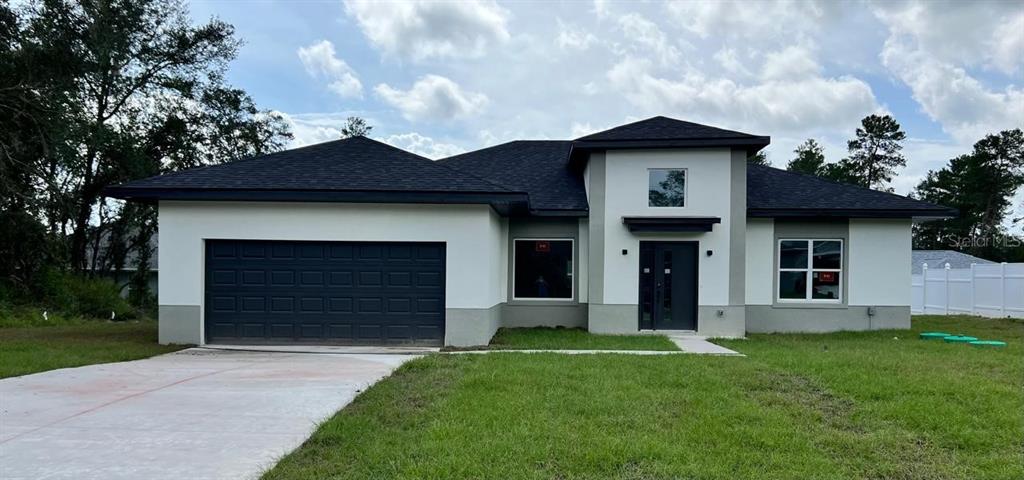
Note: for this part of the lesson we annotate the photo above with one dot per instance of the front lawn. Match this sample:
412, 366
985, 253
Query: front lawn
848, 405
574, 339
25, 350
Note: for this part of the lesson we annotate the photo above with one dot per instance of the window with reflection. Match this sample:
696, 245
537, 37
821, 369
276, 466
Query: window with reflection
666, 187
543, 269
810, 270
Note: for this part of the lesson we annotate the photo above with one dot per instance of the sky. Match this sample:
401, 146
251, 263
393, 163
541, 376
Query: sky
440, 78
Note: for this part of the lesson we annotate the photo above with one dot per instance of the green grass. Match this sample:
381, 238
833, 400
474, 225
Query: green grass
574, 339
847, 405
25, 350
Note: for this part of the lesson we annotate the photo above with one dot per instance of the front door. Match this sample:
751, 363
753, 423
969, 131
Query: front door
668, 285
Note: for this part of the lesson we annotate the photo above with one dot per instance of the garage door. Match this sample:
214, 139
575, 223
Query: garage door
343, 293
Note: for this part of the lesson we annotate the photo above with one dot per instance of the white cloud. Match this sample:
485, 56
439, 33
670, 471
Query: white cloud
422, 145
947, 92
649, 38
571, 37
772, 106
424, 29
751, 20
311, 128
729, 60
433, 97
986, 34
790, 63
321, 62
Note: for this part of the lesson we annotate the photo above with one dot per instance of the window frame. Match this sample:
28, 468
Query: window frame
809, 271
686, 187
572, 274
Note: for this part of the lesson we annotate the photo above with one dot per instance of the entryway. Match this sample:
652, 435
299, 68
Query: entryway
668, 285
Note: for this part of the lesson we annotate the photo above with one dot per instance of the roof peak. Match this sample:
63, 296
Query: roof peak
661, 127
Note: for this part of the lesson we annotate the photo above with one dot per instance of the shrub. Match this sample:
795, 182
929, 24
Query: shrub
82, 296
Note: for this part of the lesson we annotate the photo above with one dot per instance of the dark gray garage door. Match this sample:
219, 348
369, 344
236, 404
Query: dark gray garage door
355, 293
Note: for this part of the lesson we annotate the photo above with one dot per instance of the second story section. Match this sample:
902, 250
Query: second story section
665, 168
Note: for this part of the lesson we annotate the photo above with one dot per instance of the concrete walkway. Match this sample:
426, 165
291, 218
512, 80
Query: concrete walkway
688, 345
195, 414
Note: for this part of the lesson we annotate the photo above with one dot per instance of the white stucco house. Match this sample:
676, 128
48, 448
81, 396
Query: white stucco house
655, 225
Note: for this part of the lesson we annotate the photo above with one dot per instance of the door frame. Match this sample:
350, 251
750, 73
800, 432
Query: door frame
696, 283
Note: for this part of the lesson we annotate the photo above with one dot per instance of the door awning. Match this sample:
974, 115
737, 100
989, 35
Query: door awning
670, 224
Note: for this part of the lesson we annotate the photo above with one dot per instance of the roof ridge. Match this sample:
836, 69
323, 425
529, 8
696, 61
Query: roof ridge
847, 185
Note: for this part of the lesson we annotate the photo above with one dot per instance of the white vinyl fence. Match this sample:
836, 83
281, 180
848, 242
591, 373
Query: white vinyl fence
991, 290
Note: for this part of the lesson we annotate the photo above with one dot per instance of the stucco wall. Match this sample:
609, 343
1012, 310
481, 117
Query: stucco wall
708, 183
880, 257
617, 183
760, 261
475, 236
876, 266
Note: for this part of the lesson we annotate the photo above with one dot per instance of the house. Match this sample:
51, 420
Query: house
655, 225
939, 259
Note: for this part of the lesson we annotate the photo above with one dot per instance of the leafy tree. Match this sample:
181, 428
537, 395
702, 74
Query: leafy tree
844, 171
759, 158
810, 158
97, 92
355, 127
980, 185
874, 153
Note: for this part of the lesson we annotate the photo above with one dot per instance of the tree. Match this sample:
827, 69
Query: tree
97, 92
875, 154
145, 94
845, 171
980, 185
355, 127
810, 158
759, 158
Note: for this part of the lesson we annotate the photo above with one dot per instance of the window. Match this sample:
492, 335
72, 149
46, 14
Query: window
666, 187
810, 270
542, 269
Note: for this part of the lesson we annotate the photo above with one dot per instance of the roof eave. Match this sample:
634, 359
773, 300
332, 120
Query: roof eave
750, 144
807, 213
503, 202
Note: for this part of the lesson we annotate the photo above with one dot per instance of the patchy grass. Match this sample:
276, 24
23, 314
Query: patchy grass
847, 405
25, 350
544, 338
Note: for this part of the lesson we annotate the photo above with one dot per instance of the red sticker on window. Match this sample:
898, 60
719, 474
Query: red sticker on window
827, 276
543, 247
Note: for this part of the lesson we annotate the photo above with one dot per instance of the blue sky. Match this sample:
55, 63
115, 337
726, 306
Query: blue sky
443, 77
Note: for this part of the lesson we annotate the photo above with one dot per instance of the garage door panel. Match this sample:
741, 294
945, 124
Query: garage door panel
324, 292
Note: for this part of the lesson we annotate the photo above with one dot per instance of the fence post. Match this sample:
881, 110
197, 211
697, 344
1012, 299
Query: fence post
1002, 289
971, 284
924, 288
945, 289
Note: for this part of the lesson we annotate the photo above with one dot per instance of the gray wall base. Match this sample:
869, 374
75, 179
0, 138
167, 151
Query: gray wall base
732, 323
546, 315
612, 319
467, 327
180, 324
769, 319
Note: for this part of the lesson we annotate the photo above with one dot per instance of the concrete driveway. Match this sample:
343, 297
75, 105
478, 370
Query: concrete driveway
192, 414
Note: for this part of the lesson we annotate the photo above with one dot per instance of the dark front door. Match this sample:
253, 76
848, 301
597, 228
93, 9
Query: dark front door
668, 285
346, 293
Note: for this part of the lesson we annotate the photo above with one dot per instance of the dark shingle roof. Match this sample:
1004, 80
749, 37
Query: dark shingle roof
774, 192
352, 164
537, 167
664, 128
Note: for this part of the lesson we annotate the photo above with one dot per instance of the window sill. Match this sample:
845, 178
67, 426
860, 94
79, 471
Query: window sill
806, 305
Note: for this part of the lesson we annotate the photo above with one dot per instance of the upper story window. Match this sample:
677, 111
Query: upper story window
810, 270
666, 187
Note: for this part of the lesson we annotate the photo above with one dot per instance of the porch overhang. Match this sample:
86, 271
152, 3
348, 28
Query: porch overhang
670, 224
